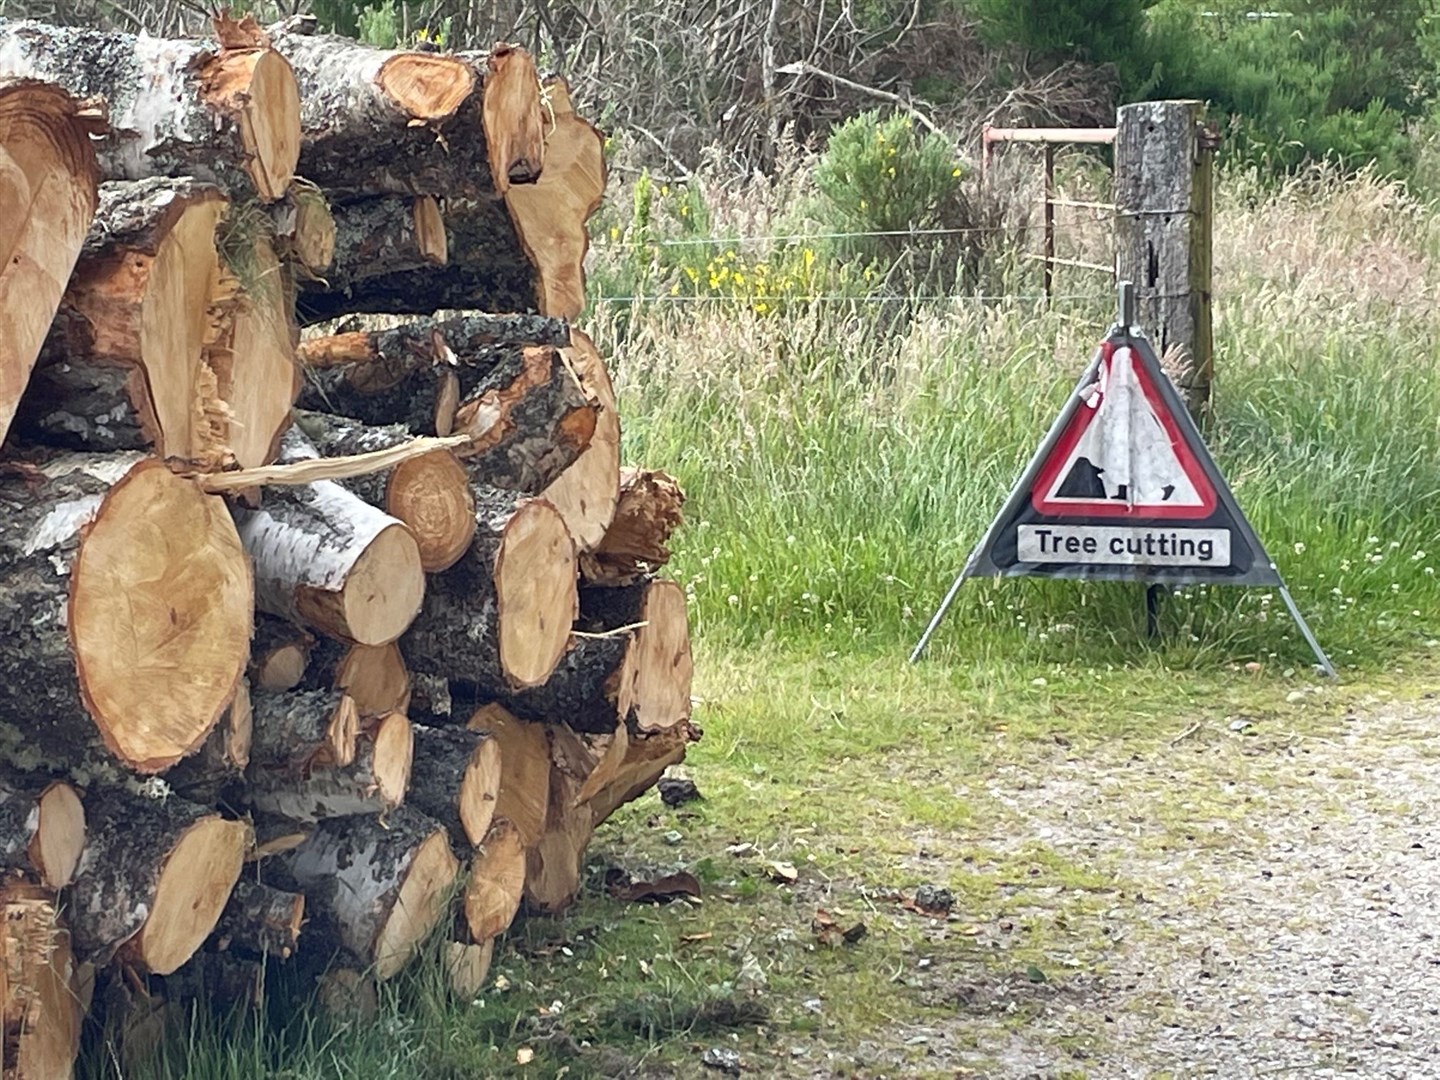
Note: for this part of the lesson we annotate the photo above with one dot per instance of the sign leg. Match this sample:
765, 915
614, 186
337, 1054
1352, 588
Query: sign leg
1152, 610
1305, 630
939, 614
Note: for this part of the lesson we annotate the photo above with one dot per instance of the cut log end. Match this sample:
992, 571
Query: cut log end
375, 677
535, 585
468, 966
430, 237
431, 494
59, 835
263, 84
664, 668
425, 86
281, 668
48, 183
259, 380
192, 892
524, 795
394, 753
161, 606
420, 905
479, 788
497, 882
382, 593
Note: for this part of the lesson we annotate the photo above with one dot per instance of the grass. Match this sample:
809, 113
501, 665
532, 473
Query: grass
838, 474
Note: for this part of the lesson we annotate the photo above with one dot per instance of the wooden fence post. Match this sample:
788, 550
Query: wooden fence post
1164, 168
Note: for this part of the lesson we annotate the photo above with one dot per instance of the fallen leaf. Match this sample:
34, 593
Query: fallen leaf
524, 1056
691, 938
667, 887
783, 872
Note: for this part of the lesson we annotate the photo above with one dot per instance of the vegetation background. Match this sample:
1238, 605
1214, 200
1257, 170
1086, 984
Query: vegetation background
831, 332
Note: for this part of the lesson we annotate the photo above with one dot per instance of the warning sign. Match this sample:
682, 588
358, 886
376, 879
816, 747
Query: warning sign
1123, 488
1122, 454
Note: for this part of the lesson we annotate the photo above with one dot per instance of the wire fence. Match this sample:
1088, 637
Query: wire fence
678, 293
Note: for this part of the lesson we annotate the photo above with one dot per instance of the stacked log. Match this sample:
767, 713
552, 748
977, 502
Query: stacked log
316, 643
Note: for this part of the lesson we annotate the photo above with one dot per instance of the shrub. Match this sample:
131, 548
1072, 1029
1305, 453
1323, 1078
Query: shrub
1098, 30
880, 181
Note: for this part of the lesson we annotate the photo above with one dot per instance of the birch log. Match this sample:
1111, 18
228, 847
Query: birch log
331, 561
499, 619
155, 875
376, 888
129, 599
226, 115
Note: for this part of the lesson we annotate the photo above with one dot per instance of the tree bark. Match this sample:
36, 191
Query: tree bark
131, 598
461, 778
279, 654
43, 1006
637, 543
587, 493
302, 730
331, 561
409, 122
47, 199
229, 116
42, 827
260, 920
430, 493
486, 269
399, 375
154, 878
550, 215
374, 887
497, 882
374, 676
305, 228
126, 366
499, 619
383, 234
531, 427
374, 782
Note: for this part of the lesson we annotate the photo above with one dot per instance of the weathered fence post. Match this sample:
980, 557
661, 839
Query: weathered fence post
1164, 165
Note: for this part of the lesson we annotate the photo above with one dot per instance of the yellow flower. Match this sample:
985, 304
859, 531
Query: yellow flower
675, 289
692, 274
614, 232
955, 172
890, 171
664, 189
684, 211
761, 308
809, 258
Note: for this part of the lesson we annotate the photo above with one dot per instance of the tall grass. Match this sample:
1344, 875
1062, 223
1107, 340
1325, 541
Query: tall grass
839, 470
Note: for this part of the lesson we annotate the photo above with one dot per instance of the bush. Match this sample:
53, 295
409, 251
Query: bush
1098, 30
1318, 79
880, 181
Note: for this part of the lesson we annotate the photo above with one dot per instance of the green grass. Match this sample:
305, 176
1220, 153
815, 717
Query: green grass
838, 475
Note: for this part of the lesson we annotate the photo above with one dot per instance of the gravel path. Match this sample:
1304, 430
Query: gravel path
1278, 901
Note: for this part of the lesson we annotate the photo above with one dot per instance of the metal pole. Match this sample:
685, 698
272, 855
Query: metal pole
1325, 664
939, 614
1048, 282
1125, 313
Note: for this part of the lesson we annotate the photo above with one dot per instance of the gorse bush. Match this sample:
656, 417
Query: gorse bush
881, 181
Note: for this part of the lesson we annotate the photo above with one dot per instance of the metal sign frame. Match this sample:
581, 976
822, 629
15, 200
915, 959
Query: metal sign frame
1260, 571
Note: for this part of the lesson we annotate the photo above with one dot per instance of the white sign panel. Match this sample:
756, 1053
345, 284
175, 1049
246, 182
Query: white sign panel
1123, 545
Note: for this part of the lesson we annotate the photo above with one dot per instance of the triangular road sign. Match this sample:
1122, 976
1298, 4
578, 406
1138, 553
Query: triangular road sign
1124, 489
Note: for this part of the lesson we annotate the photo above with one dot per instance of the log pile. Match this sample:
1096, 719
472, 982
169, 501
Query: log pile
314, 645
